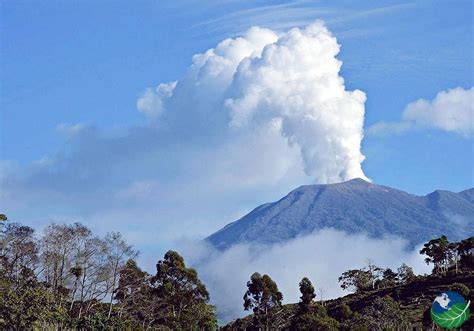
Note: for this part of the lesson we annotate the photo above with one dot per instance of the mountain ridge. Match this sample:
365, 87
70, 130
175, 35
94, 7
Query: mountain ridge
353, 206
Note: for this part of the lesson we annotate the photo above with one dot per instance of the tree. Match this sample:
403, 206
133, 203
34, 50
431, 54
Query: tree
263, 298
405, 274
18, 250
465, 251
57, 246
345, 311
307, 295
438, 252
134, 295
357, 280
389, 279
25, 303
360, 280
183, 297
70, 278
88, 256
310, 315
117, 253
383, 314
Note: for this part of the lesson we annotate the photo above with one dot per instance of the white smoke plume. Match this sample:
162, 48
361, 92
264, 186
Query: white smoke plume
289, 80
322, 256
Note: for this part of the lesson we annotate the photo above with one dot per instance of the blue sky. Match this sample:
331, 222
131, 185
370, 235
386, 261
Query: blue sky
86, 63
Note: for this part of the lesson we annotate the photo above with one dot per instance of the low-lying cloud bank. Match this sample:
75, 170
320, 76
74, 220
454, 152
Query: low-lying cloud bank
450, 111
322, 256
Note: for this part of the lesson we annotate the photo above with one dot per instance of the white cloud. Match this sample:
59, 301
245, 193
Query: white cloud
291, 79
71, 129
450, 111
150, 102
388, 128
322, 256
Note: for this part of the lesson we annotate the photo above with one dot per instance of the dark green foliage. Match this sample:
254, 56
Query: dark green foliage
383, 314
372, 277
388, 279
438, 252
405, 274
307, 294
346, 312
465, 251
134, 295
356, 280
461, 289
183, 298
25, 303
310, 315
264, 299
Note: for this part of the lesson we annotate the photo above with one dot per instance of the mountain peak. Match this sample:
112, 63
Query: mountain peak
354, 206
358, 180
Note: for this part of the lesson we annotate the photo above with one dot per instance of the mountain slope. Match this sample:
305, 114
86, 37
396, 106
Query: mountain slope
354, 206
414, 298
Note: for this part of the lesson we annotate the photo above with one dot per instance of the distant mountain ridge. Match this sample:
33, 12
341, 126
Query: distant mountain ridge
354, 206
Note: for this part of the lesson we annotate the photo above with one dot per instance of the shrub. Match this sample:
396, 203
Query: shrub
461, 289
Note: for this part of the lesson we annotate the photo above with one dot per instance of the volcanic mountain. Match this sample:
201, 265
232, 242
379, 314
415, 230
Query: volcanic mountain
355, 206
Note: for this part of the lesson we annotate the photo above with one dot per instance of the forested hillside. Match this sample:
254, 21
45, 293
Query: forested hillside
69, 278
405, 305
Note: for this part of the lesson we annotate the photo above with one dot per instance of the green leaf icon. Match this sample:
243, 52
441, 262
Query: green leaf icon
454, 317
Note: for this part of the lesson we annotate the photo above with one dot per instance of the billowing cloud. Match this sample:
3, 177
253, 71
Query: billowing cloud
322, 256
450, 111
150, 102
291, 80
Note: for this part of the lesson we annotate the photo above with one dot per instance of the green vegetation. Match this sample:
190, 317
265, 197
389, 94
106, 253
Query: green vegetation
69, 278
264, 299
383, 299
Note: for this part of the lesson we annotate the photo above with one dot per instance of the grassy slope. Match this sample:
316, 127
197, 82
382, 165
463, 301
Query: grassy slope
415, 300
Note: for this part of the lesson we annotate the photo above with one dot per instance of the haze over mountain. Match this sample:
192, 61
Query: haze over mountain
354, 206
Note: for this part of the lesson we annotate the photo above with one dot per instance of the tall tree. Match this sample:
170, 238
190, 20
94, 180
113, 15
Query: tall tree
466, 254
307, 295
135, 297
117, 253
310, 315
388, 279
18, 250
438, 252
405, 274
357, 280
264, 298
57, 248
184, 298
